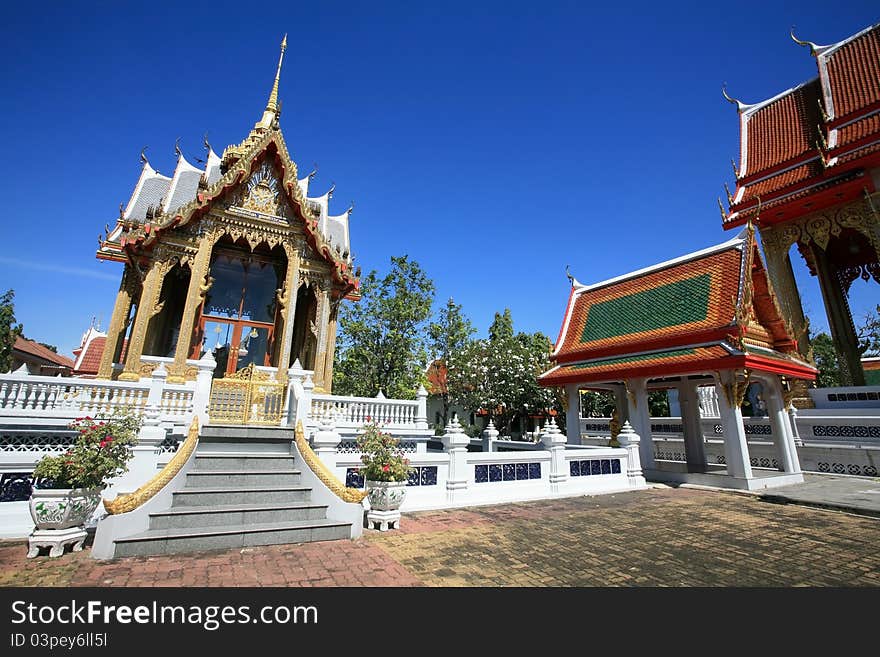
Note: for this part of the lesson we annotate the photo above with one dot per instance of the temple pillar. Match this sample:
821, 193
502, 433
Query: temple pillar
322, 319
640, 418
781, 274
786, 451
147, 307
118, 323
331, 346
288, 300
839, 319
736, 449
199, 284
694, 444
573, 414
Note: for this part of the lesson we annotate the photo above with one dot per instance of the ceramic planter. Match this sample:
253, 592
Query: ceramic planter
385, 495
63, 508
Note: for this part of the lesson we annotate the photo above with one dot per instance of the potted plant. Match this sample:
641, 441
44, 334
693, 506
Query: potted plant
67, 487
385, 474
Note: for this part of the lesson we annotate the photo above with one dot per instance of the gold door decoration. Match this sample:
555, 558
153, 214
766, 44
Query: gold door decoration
247, 397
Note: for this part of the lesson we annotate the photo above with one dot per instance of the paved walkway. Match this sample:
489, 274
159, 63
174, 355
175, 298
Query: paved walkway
853, 494
660, 537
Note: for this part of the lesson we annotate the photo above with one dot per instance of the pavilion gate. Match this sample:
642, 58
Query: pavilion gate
247, 397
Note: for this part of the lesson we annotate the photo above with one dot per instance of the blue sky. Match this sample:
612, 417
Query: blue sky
492, 142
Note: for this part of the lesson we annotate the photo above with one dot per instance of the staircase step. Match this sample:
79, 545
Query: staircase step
249, 479
249, 495
172, 541
187, 517
241, 462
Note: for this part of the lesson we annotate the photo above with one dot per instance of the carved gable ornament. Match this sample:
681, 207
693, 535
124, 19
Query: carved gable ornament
262, 193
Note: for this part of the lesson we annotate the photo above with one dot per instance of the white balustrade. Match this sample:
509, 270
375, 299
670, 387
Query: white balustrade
357, 411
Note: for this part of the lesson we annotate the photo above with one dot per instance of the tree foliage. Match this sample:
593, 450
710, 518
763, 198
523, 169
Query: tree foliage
869, 333
499, 374
382, 342
449, 334
9, 330
825, 357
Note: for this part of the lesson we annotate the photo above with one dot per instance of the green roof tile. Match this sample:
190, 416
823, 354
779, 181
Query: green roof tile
664, 306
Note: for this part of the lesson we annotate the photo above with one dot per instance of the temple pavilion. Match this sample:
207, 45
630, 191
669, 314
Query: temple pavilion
810, 164
235, 258
706, 318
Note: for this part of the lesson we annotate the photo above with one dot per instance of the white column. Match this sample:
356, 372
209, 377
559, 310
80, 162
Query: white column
573, 414
326, 441
792, 415
630, 440
422, 410
736, 451
455, 443
295, 376
144, 463
786, 452
490, 435
202, 393
694, 444
640, 419
554, 441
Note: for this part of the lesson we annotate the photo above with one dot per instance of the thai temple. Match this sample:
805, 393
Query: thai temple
223, 334
235, 258
808, 176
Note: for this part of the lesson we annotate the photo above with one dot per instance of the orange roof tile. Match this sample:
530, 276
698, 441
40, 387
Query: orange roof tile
39, 351
853, 73
783, 130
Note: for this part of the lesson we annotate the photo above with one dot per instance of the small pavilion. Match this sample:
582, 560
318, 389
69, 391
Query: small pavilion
706, 318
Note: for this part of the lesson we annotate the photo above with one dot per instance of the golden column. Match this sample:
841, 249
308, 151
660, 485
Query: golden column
322, 319
116, 330
287, 300
331, 346
776, 247
199, 284
146, 308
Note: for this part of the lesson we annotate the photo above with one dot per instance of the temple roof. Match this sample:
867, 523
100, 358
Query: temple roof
38, 351
159, 204
709, 309
808, 147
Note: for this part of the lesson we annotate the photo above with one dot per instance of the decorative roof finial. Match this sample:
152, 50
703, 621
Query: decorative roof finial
735, 170
207, 145
272, 107
808, 44
332, 189
314, 171
144, 155
350, 209
177, 151
740, 106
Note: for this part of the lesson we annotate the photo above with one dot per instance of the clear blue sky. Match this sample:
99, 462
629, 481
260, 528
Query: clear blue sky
492, 142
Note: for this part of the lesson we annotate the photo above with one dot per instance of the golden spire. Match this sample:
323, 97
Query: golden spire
272, 108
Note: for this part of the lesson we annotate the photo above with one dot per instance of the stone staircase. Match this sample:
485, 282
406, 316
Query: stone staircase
243, 489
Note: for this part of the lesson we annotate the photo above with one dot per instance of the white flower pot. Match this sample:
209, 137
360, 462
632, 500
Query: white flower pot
62, 508
385, 495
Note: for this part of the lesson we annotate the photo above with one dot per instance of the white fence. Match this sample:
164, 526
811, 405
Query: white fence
845, 441
457, 476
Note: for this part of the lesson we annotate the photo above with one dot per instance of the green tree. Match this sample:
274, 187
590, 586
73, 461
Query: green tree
382, 342
449, 335
9, 330
596, 403
869, 333
827, 362
499, 374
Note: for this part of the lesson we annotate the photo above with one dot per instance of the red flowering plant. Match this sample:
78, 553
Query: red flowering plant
101, 451
381, 455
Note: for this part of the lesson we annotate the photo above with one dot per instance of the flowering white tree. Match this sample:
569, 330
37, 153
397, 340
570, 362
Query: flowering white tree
499, 374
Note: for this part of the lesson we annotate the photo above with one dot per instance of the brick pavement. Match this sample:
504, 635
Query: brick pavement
661, 537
